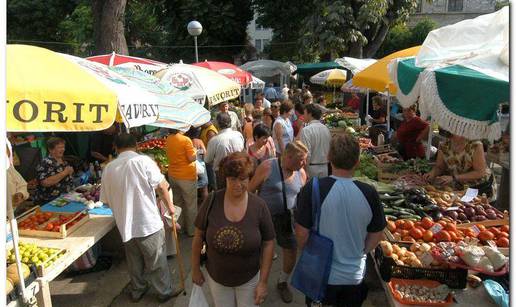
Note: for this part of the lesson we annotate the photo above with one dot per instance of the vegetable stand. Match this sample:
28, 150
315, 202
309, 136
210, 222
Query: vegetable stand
75, 245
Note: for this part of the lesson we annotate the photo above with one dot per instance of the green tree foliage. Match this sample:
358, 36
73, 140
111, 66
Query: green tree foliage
401, 37
154, 28
328, 29
501, 3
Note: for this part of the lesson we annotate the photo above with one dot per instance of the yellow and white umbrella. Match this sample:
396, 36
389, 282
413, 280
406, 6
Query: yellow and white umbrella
330, 77
199, 83
50, 91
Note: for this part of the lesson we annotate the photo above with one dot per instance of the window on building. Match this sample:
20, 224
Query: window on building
455, 5
419, 5
258, 44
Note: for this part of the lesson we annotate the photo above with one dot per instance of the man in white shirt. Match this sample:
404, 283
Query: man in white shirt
266, 103
236, 125
316, 137
129, 185
223, 144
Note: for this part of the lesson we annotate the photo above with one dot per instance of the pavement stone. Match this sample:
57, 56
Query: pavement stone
107, 288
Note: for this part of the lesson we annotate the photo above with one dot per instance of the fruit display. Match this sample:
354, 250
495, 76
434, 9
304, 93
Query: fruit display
497, 235
364, 143
156, 149
89, 192
390, 157
32, 254
414, 256
12, 273
417, 292
50, 221
425, 230
338, 120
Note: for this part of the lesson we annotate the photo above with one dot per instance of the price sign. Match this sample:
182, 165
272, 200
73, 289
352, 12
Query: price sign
427, 259
436, 228
475, 229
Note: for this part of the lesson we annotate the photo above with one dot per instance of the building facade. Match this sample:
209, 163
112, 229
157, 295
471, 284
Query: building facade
446, 12
258, 35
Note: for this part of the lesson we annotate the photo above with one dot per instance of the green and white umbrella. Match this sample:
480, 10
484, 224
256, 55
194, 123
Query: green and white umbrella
459, 81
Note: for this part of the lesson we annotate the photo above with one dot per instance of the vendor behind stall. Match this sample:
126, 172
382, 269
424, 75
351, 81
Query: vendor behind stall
462, 162
410, 134
377, 119
101, 144
54, 174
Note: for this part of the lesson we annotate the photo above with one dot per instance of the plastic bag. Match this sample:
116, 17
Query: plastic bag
497, 293
197, 298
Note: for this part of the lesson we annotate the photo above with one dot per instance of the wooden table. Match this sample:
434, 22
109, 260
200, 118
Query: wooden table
76, 244
465, 298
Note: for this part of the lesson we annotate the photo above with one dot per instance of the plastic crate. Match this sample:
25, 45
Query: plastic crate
454, 278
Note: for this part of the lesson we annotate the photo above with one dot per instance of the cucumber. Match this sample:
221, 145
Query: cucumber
389, 211
399, 202
410, 217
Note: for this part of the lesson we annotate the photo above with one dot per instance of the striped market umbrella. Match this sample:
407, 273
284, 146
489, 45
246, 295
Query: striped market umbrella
229, 70
330, 77
199, 83
141, 64
50, 91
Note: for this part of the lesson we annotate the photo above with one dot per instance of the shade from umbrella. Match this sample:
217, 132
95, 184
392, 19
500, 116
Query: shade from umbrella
330, 77
376, 76
141, 64
461, 84
195, 81
49, 91
176, 111
229, 70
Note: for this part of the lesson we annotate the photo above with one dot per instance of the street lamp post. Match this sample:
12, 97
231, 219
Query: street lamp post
195, 29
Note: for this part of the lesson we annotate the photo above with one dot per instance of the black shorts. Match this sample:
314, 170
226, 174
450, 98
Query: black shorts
284, 229
344, 295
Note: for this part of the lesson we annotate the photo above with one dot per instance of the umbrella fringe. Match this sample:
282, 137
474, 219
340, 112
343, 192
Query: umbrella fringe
468, 128
405, 100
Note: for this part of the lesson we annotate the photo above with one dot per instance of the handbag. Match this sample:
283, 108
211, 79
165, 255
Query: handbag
313, 268
204, 251
285, 218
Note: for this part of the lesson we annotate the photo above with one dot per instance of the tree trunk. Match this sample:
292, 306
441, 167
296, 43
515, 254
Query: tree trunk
355, 50
108, 26
371, 48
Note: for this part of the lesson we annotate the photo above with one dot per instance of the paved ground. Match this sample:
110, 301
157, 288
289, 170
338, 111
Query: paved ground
106, 288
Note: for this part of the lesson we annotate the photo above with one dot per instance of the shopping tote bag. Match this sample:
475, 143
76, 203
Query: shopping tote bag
313, 268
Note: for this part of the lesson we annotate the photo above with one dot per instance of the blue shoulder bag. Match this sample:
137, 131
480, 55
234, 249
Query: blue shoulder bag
313, 268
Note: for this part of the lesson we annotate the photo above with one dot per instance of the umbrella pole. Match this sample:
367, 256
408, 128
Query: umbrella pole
334, 94
429, 142
367, 102
388, 112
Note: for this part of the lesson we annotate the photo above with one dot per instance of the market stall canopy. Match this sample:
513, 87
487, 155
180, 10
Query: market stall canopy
50, 91
199, 83
355, 65
141, 64
331, 77
176, 111
314, 68
376, 76
229, 70
257, 84
460, 80
268, 68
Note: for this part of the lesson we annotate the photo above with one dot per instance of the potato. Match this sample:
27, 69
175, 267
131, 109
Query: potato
386, 248
394, 257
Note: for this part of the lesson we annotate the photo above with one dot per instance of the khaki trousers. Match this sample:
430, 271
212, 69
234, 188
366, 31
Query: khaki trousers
185, 196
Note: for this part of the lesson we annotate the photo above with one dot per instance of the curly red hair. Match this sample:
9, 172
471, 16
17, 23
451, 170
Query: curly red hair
237, 165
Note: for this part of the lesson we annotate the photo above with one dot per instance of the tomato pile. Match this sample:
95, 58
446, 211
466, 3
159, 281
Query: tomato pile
427, 230
151, 144
48, 221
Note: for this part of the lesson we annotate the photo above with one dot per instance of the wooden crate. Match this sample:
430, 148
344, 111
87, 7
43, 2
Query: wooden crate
64, 230
44, 268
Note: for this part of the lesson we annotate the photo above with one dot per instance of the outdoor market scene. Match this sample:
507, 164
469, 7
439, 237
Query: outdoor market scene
357, 156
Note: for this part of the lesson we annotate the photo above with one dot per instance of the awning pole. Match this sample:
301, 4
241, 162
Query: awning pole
334, 94
388, 112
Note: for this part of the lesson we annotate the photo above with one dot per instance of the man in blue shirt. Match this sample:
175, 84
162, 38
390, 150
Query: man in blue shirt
271, 94
351, 216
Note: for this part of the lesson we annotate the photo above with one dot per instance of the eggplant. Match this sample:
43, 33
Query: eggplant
479, 218
470, 212
453, 214
436, 215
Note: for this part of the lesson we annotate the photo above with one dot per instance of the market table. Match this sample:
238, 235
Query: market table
465, 298
75, 244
